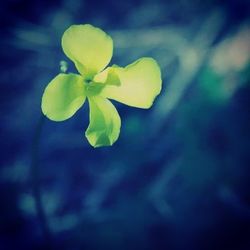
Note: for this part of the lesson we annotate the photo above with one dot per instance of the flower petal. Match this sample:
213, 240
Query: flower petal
140, 83
88, 47
108, 76
63, 96
105, 122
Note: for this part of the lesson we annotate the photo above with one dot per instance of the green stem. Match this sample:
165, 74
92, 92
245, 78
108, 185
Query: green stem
35, 176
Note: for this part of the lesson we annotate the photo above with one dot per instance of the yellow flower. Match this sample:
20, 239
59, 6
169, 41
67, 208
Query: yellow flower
91, 50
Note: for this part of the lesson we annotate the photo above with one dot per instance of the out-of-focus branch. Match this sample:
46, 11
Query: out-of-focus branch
192, 57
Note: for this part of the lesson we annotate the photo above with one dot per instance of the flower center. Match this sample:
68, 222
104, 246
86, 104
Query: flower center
88, 80
93, 88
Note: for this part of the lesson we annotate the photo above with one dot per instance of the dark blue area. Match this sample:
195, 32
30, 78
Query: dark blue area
174, 180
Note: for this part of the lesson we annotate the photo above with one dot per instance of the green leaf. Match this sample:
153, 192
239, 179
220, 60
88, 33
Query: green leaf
63, 96
88, 47
140, 83
105, 122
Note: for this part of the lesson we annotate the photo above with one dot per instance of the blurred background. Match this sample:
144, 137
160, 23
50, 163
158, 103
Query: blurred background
177, 178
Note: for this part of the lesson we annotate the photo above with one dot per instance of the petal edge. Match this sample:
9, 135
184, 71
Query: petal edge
105, 122
140, 83
89, 47
63, 96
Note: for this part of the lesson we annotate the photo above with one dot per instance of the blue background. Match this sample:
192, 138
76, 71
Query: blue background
177, 178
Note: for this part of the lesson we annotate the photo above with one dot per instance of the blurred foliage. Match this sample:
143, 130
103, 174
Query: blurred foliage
178, 177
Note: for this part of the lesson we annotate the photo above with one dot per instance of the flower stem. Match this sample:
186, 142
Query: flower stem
35, 182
